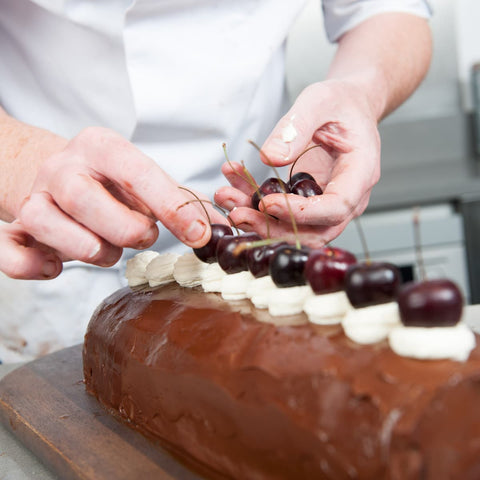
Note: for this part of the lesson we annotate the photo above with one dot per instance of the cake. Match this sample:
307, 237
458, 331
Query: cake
249, 399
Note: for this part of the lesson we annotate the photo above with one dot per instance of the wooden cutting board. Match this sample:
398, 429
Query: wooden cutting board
45, 405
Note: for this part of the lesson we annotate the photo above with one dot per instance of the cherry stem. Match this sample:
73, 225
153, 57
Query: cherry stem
257, 243
260, 197
233, 224
363, 240
250, 180
195, 200
248, 176
223, 211
418, 243
296, 160
292, 218
199, 199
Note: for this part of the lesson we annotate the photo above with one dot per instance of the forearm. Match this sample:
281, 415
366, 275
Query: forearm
385, 58
23, 148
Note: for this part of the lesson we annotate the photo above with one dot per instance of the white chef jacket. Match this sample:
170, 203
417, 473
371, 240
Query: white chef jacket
176, 77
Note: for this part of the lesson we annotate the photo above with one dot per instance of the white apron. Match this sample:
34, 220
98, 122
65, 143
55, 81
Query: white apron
176, 77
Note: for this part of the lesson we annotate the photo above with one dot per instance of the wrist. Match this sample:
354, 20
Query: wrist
386, 56
358, 91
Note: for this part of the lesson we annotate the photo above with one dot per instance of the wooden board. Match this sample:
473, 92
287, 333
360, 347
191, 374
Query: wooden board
45, 405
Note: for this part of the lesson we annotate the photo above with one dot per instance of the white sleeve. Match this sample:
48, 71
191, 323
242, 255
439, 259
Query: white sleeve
342, 15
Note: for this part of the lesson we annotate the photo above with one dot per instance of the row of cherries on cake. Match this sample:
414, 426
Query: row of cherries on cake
330, 269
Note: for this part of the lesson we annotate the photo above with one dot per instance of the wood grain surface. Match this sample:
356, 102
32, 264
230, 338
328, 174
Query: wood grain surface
45, 405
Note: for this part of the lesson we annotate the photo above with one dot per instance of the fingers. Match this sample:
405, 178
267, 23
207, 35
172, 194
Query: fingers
102, 193
250, 220
331, 128
98, 195
329, 209
329, 114
239, 177
23, 258
314, 227
349, 188
140, 177
88, 202
294, 132
230, 198
322, 106
49, 225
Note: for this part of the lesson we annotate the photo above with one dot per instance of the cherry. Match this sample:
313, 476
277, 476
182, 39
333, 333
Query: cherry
258, 258
287, 265
208, 253
306, 188
326, 268
299, 176
371, 283
430, 303
269, 186
229, 259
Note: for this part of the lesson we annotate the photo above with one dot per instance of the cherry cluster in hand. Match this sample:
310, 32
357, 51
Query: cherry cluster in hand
301, 183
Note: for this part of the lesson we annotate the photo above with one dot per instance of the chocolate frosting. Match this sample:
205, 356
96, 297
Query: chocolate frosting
252, 400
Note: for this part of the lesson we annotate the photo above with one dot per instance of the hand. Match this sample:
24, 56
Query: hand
89, 201
335, 115
24, 257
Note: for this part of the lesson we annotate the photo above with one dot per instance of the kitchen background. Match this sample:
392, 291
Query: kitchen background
430, 156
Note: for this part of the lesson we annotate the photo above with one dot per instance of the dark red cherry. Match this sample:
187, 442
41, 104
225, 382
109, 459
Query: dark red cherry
306, 188
299, 176
432, 303
258, 258
228, 257
326, 268
287, 265
208, 253
371, 283
269, 186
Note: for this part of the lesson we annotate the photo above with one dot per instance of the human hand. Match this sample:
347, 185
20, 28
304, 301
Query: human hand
92, 199
335, 115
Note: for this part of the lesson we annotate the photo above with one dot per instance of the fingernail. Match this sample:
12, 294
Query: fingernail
49, 269
195, 231
111, 258
272, 210
149, 238
278, 149
229, 205
244, 226
94, 251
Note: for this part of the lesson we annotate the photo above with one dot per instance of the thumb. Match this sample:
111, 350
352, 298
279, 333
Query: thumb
289, 138
314, 109
295, 130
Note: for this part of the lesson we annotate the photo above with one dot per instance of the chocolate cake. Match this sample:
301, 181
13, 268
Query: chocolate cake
252, 400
